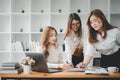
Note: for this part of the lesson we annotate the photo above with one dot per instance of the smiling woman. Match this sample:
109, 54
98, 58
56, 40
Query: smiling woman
51, 49
73, 39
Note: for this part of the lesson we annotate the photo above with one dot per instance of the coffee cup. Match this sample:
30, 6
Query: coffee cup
113, 69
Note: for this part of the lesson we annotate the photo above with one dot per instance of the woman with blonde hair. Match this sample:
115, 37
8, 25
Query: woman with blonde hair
50, 48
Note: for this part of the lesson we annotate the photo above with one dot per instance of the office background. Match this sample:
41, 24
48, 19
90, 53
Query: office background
22, 22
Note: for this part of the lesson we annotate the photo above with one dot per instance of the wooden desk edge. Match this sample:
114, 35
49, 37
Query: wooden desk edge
59, 75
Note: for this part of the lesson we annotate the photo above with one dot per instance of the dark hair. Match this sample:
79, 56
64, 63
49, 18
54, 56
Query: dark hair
106, 26
73, 16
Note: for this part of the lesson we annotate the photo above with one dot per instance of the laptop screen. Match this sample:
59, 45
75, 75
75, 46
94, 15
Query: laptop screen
40, 61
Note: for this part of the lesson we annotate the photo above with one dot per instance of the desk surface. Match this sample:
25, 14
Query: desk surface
59, 75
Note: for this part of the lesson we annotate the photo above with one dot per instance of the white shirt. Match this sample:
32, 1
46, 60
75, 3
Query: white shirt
71, 42
108, 46
55, 56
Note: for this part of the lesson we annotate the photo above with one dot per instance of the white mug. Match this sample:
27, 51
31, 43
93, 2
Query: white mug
113, 69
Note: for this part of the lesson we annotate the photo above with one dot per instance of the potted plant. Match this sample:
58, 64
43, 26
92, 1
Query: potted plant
26, 63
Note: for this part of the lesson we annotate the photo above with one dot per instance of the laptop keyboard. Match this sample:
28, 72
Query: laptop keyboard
76, 70
54, 70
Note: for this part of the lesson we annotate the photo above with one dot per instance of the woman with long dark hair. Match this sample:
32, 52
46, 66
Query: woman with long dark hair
104, 38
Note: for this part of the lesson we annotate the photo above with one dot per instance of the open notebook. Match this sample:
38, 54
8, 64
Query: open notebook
96, 70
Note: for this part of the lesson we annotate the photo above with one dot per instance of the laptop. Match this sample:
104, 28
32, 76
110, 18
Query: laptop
40, 63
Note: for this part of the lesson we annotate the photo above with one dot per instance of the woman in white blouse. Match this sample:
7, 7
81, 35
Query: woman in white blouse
73, 39
104, 38
50, 48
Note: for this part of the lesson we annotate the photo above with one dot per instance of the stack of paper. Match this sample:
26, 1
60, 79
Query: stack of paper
10, 68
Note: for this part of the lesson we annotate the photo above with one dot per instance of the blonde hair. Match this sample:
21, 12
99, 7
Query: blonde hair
44, 39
